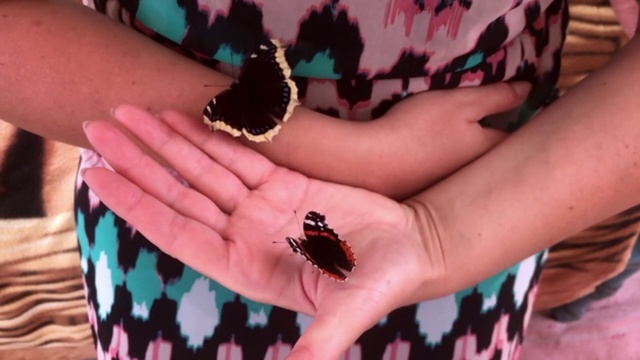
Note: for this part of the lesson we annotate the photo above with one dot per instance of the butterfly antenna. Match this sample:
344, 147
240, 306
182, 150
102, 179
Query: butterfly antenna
295, 214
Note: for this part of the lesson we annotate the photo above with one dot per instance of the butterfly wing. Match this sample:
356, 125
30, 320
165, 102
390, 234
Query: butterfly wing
266, 78
229, 112
264, 91
219, 112
324, 248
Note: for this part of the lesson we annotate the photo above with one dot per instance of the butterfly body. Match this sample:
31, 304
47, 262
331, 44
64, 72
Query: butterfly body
263, 96
324, 248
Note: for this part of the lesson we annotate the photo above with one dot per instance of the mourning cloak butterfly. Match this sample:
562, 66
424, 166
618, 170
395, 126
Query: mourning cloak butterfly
323, 248
263, 96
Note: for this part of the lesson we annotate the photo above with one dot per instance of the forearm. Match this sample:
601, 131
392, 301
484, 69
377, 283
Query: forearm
62, 64
576, 163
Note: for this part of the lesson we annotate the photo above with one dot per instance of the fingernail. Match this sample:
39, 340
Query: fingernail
112, 111
521, 88
86, 124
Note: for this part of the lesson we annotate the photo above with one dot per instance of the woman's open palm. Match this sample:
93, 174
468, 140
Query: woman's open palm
231, 222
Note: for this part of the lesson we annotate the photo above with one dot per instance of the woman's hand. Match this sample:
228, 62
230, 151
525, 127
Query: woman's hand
238, 204
430, 135
419, 141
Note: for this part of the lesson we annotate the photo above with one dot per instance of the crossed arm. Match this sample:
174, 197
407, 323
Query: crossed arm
62, 64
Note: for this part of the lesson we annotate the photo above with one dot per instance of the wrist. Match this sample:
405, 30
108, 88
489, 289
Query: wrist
436, 280
323, 147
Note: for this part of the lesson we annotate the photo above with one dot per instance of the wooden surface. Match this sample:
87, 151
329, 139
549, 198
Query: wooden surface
593, 38
85, 352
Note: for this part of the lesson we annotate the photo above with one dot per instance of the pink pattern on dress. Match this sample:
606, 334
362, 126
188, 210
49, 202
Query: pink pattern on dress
91, 312
278, 351
397, 350
465, 347
450, 19
495, 59
354, 352
408, 8
159, 349
229, 351
119, 347
90, 159
472, 78
214, 9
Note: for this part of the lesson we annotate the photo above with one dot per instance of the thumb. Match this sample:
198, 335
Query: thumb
330, 335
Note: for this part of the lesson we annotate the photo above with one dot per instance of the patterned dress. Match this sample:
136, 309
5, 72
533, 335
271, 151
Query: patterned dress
352, 59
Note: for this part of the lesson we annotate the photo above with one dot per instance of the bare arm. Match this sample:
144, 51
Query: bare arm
576, 163
62, 64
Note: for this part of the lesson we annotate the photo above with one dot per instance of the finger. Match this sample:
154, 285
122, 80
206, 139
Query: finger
322, 341
172, 232
492, 99
329, 336
250, 166
209, 177
130, 161
627, 12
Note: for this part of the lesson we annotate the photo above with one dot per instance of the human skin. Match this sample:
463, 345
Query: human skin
577, 163
62, 64
443, 239
628, 13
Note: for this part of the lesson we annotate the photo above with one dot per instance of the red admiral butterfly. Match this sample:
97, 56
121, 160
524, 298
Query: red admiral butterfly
322, 247
264, 91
